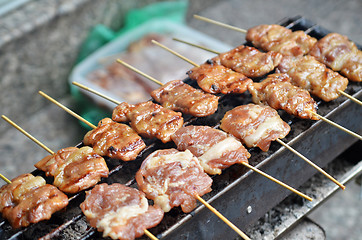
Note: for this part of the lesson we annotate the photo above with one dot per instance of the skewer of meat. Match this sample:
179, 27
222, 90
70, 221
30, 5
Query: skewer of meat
120, 212
28, 199
243, 59
174, 178
258, 126
74, 169
213, 78
268, 35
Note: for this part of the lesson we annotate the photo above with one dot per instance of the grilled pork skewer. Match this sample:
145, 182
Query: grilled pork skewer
120, 212
28, 199
179, 96
173, 178
74, 169
213, 78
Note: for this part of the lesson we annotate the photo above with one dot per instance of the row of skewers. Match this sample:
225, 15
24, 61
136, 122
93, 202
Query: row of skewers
200, 148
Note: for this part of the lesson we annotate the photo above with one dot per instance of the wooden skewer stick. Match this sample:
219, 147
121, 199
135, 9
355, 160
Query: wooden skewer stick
175, 53
196, 45
245, 164
5, 179
150, 235
311, 163
337, 125
67, 109
96, 92
220, 24
27, 134
217, 213
350, 97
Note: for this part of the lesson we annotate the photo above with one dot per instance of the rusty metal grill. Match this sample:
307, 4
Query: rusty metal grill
236, 188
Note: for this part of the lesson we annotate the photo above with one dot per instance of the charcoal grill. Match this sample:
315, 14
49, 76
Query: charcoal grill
239, 194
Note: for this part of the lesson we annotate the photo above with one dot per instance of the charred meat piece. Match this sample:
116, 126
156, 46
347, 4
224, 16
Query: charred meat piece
149, 119
36, 205
50, 163
11, 193
278, 92
280, 39
307, 73
114, 140
83, 169
255, 125
340, 54
120, 212
179, 96
249, 61
214, 148
214, 78
172, 178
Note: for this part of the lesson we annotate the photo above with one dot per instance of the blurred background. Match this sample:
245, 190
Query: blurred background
44, 45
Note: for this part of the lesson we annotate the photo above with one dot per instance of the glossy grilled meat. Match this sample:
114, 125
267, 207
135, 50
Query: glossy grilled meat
83, 169
249, 61
172, 178
50, 163
214, 78
278, 92
179, 96
149, 119
280, 39
214, 148
36, 205
120, 212
307, 73
255, 125
114, 140
340, 54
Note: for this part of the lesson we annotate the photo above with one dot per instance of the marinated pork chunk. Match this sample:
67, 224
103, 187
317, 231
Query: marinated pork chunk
249, 61
172, 178
307, 73
214, 148
149, 119
214, 78
50, 163
280, 39
11, 193
114, 140
179, 96
255, 125
120, 212
83, 169
36, 205
340, 54
277, 92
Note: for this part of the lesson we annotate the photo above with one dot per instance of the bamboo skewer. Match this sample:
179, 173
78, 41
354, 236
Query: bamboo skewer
285, 145
27, 134
67, 109
350, 97
245, 164
5, 179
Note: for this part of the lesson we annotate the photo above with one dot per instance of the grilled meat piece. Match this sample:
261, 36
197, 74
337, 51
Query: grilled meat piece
50, 163
249, 61
172, 178
278, 92
83, 169
120, 212
307, 73
280, 39
255, 125
36, 205
114, 140
340, 54
11, 193
214, 78
214, 148
149, 119
179, 96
